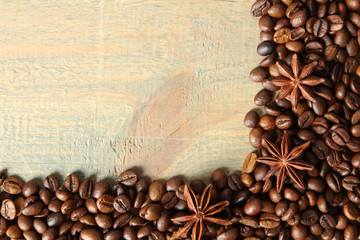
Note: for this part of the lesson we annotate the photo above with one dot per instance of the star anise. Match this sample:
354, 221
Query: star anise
296, 81
203, 212
285, 162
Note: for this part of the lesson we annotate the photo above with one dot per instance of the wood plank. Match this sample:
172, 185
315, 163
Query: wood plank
103, 86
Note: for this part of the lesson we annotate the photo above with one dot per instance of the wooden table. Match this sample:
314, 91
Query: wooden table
103, 86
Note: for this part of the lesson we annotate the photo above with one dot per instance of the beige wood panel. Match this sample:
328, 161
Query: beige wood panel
102, 86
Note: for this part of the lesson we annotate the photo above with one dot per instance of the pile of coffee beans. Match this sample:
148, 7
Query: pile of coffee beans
326, 32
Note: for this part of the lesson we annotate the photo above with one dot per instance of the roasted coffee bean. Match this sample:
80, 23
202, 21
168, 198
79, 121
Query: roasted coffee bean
156, 191
269, 220
8, 209
30, 188
306, 119
340, 136
351, 183
234, 182
13, 232
320, 125
298, 232
249, 163
249, 221
260, 8
12, 185
33, 208
128, 178
90, 234
103, 220
351, 211
230, 234
122, 203
309, 217
334, 158
100, 188
320, 28
263, 97
333, 180
150, 212
72, 183
265, 48
253, 207
55, 219
51, 182
327, 221
85, 189
291, 194
105, 203
255, 137
113, 235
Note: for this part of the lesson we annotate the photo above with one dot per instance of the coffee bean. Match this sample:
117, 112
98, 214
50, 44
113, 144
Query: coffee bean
51, 182
90, 234
128, 178
219, 179
253, 207
30, 188
327, 221
85, 189
230, 234
12, 185
309, 217
265, 48
8, 209
263, 97
13, 232
291, 194
284, 121
33, 208
72, 183
269, 220
150, 212
306, 119
298, 232
351, 211
249, 163
105, 203
55, 219
333, 180
260, 8
100, 188
320, 28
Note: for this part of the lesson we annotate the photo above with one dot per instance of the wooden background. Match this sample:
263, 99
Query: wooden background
102, 86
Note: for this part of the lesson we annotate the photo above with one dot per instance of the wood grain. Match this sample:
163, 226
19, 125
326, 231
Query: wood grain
103, 86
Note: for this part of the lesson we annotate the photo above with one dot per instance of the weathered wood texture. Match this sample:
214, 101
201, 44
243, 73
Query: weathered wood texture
102, 86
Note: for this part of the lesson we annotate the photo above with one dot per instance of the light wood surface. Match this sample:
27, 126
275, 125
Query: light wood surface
103, 86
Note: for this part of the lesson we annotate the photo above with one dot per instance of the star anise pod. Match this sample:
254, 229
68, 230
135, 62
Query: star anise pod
203, 212
285, 162
296, 82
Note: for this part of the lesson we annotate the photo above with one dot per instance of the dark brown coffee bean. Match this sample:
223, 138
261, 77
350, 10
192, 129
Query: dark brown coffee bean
13, 232
219, 179
31, 235
12, 185
327, 221
297, 33
355, 161
343, 168
105, 203
230, 234
269, 220
306, 119
291, 194
55, 219
265, 48
320, 125
100, 188
263, 97
174, 183
33, 208
351, 232
351, 211
316, 184
156, 191
320, 149
298, 232
249, 221
30, 188
72, 183
260, 8
309, 217
90, 234
103, 220
352, 101
284, 121
85, 189
320, 28
113, 235
8, 209
51, 182
253, 207
249, 163
78, 213
340, 136
255, 137
68, 206
128, 178
122, 204
333, 180
150, 212
258, 74
351, 183
298, 19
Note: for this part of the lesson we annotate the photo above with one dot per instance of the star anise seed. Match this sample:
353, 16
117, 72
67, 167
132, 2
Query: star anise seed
284, 162
296, 82
203, 212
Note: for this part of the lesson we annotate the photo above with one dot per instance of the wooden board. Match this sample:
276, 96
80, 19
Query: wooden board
103, 86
